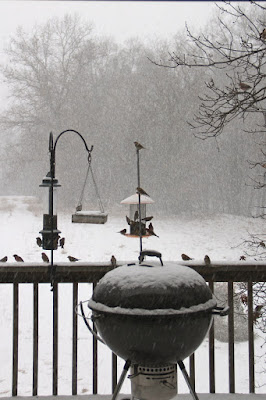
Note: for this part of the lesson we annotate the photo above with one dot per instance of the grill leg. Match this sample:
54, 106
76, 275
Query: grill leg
185, 374
121, 379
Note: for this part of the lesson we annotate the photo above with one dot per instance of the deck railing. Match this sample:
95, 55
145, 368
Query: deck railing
76, 273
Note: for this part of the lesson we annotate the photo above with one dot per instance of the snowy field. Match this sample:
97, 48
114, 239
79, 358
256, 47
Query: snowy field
21, 220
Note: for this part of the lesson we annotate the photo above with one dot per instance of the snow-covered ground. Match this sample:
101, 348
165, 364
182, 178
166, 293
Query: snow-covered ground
21, 221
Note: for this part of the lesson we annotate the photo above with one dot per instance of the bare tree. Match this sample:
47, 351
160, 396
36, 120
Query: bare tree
234, 53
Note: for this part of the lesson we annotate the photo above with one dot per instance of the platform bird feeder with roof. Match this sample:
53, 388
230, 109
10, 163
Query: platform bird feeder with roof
133, 202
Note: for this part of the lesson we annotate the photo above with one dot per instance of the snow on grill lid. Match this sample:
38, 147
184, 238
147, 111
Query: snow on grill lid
170, 286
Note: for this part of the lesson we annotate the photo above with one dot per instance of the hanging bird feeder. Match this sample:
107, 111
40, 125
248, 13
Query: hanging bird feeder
89, 217
133, 202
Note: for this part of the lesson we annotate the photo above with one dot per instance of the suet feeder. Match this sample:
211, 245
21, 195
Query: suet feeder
50, 232
133, 202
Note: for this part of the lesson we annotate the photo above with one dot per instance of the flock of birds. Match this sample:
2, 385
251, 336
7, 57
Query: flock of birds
45, 258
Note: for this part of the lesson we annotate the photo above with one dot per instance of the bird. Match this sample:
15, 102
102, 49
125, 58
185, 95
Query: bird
128, 220
136, 215
62, 242
147, 219
4, 259
123, 231
242, 258
207, 260
185, 257
139, 190
151, 232
263, 34
257, 313
39, 241
244, 299
244, 86
138, 146
113, 261
79, 207
73, 259
150, 227
262, 244
18, 258
45, 257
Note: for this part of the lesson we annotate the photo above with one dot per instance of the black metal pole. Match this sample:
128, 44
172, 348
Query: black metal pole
51, 206
140, 233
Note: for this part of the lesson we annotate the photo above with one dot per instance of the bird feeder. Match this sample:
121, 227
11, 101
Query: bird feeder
50, 232
133, 202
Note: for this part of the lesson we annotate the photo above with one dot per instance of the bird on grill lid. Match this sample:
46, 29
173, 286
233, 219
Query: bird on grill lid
45, 257
138, 146
39, 241
4, 259
18, 258
244, 86
73, 259
139, 190
185, 257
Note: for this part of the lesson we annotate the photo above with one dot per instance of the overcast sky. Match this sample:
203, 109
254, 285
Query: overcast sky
120, 19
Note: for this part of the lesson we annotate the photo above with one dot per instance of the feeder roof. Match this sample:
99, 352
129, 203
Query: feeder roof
134, 199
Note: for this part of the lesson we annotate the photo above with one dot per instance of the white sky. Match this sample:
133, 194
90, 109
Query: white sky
120, 19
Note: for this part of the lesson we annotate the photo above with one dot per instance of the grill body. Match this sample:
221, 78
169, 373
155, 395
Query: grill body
152, 315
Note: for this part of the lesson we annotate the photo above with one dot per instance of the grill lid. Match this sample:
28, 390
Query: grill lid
150, 286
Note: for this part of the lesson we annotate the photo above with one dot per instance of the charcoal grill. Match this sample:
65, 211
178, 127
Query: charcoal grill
153, 316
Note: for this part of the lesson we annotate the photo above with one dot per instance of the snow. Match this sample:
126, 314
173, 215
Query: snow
161, 277
21, 220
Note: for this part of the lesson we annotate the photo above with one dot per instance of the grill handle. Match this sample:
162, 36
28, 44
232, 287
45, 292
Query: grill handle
88, 325
222, 311
150, 253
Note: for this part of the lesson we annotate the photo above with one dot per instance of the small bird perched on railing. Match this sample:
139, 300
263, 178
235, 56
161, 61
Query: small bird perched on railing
39, 241
138, 146
18, 258
185, 257
4, 259
73, 259
113, 261
207, 260
45, 257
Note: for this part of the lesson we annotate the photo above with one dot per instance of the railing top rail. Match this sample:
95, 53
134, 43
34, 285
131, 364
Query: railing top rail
66, 272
